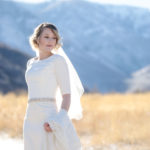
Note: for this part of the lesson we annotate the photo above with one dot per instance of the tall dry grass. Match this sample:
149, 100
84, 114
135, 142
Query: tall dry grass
12, 111
111, 118
116, 118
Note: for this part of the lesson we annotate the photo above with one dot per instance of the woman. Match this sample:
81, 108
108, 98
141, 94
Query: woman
47, 122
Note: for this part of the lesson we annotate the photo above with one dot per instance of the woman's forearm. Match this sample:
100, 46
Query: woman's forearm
66, 102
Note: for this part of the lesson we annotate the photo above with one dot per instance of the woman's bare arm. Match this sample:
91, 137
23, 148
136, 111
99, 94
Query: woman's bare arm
66, 102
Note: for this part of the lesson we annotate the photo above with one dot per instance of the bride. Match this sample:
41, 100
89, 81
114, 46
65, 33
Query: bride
54, 91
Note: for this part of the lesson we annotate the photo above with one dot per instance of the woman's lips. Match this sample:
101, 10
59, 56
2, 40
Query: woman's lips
49, 45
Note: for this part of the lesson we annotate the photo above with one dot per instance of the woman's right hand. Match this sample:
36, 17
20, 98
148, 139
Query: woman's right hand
47, 127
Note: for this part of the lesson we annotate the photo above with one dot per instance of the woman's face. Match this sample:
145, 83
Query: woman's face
47, 40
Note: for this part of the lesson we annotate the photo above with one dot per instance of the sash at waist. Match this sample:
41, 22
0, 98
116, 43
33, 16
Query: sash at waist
41, 100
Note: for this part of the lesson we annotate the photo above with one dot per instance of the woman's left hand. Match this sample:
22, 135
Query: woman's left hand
47, 127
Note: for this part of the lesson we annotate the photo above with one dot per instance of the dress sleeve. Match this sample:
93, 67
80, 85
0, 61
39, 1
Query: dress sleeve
62, 75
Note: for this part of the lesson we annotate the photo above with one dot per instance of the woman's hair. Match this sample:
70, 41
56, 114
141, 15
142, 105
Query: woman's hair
37, 32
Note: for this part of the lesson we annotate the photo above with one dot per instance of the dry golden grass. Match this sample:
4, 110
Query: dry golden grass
107, 119
116, 118
12, 111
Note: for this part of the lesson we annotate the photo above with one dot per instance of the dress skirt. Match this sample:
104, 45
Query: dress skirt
36, 138
34, 135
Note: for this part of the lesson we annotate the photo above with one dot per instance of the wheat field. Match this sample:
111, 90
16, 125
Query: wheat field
109, 121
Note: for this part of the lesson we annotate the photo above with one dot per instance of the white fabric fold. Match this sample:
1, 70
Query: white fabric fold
64, 132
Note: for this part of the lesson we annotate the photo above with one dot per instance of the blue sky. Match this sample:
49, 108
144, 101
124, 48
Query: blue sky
137, 3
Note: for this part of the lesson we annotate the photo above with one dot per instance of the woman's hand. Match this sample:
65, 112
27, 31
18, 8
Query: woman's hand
47, 127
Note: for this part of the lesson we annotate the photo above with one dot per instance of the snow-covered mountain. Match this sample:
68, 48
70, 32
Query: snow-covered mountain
140, 81
106, 43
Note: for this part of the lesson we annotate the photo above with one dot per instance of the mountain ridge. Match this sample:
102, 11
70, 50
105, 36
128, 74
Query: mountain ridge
112, 40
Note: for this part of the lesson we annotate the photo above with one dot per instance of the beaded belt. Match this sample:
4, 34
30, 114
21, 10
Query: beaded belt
41, 99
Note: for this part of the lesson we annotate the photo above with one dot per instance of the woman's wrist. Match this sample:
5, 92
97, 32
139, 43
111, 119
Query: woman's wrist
63, 111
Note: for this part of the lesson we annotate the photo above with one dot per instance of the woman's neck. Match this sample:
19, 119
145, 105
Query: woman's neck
44, 55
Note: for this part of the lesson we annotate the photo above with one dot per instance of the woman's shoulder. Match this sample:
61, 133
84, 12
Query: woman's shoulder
29, 61
59, 57
54, 58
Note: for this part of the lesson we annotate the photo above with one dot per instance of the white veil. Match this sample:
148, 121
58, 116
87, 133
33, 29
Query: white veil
77, 90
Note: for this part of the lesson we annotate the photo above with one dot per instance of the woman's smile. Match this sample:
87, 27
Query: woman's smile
49, 45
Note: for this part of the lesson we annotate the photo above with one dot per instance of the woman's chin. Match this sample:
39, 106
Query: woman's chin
48, 49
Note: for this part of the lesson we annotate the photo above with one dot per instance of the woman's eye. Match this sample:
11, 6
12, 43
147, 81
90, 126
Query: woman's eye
51, 38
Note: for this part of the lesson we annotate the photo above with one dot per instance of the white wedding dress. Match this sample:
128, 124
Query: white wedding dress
43, 77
